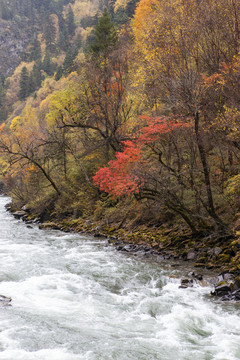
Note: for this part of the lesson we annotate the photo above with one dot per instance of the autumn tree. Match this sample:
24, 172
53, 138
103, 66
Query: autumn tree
23, 143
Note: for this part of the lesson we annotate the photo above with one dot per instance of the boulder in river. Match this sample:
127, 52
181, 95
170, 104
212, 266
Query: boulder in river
185, 283
5, 300
227, 288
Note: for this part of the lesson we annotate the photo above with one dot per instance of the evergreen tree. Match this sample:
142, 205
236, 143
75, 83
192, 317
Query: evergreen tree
69, 59
59, 73
31, 84
3, 111
71, 27
23, 84
49, 33
37, 74
61, 22
78, 42
35, 50
48, 66
105, 36
63, 42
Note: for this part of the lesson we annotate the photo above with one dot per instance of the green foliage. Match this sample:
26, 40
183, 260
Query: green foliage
70, 22
24, 84
105, 37
59, 73
48, 65
49, 32
69, 59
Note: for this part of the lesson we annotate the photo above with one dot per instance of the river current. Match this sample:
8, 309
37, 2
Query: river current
75, 298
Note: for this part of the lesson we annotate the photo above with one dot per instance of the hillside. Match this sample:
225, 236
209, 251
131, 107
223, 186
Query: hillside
12, 45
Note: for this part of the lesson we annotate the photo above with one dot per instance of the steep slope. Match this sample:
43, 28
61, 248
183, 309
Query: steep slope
12, 44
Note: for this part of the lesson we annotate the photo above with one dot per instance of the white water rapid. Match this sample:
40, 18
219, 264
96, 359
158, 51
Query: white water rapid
74, 298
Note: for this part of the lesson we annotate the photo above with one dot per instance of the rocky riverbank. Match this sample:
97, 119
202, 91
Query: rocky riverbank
163, 243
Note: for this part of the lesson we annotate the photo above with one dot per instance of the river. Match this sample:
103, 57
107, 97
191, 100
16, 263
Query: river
75, 298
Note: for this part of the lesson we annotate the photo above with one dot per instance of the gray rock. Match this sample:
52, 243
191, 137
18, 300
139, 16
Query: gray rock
217, 251
19, 214
185, 283
5, 300
191, 255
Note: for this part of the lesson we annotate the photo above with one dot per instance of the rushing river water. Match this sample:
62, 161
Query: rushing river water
74, 298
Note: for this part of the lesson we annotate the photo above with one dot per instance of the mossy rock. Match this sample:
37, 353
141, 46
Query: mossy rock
49, 225
223, 258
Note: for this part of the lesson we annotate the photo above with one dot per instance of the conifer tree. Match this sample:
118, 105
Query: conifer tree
31, 84
35, 50
63, 41
71, 27
36, 74
69, 59
105, 37
24, 84
59, 73
47, 64
50, 33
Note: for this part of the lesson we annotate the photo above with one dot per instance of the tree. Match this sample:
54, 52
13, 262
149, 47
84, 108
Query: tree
105, 37
36, 74
63, 41
70, 22
24, 84
69, 59
48, 66
35, 50
146, 169
59, 73
23, 144
50, 33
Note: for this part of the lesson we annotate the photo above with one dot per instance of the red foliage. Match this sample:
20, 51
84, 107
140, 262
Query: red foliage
158, 126
119, 177
122, 176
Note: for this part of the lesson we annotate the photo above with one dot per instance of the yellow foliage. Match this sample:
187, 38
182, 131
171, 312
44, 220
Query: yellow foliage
15, 123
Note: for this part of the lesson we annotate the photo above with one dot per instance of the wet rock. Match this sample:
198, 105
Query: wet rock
222, 290
198, 277
19, 214
8, 206
227, 287
191, 255
36, 220
5, 300
98, 235
49, 225
127, 248
185, 283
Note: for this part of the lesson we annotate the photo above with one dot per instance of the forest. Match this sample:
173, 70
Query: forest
125, 115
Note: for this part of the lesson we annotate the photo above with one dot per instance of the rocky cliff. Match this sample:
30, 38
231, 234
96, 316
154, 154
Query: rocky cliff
13, 41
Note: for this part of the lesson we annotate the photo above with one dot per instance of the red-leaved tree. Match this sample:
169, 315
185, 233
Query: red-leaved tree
129, 172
